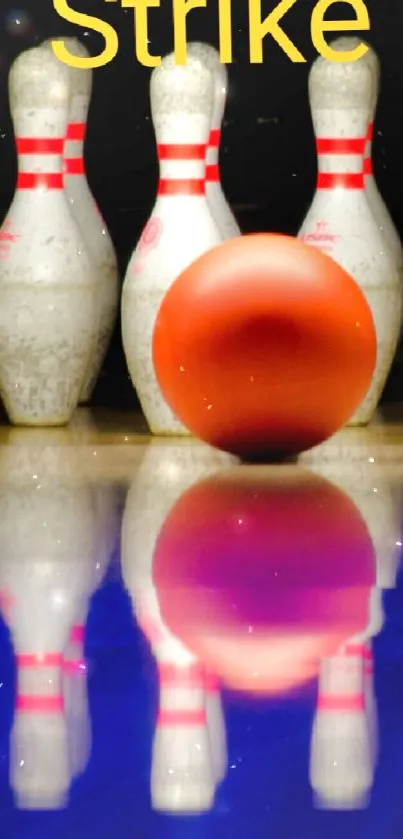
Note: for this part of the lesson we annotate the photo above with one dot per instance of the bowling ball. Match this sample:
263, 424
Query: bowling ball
263, 571
264, 346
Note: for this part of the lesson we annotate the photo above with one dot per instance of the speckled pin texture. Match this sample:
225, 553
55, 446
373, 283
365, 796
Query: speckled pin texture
340, 85
348, 44
38, 80
210, 58
48, 316
180, 229
218, 204
80, 79
89, 219
185, 88
376, 203
341, 98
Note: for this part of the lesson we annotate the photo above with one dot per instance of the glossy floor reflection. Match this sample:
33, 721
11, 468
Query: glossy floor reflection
194, 647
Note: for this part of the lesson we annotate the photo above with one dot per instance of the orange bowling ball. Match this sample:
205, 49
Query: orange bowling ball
264, 346
261, 574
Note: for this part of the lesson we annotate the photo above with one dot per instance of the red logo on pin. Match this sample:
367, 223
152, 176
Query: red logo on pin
150, 236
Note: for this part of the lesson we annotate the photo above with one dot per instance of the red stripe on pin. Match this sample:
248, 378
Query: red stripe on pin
39, 145
177, 151
75, 131
341, 145
40, 660
31, 704
73, 166
212, 685
347, 180
179, 717
35, 180
77, 666
212, 173
354, 650
214, 139
77, 634
370, 134
342, 702
368, 168
185, 186
187, 677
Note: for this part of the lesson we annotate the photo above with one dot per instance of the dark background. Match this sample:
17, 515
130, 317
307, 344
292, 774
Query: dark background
267, 158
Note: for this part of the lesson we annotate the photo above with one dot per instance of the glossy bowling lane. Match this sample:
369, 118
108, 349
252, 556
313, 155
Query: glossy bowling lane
191, 646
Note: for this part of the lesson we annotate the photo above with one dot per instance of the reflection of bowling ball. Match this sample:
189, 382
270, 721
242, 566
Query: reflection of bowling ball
264, 346
262, 572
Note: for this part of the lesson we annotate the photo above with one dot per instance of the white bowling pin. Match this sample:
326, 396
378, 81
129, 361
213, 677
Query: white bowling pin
359, 472
344, 746
377, 204
88, 215
219, 206
339, 220
355, 464
216, 728
341, 768
185, 769
181, 227
47, 281
75, 665
46, 547
374, 197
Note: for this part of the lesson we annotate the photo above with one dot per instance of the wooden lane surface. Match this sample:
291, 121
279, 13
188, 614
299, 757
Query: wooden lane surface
110, 445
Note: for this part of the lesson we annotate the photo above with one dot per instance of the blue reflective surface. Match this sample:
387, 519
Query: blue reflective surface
267, 789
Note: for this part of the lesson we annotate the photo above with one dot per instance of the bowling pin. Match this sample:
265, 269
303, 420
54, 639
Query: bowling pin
374, 197
219, 206
338, 708
185, 767
341, 769
75, 666
368, 481
47, 280
216, 727
354, 465
181, 227
378, 207
339, 220
46, 548
88, 216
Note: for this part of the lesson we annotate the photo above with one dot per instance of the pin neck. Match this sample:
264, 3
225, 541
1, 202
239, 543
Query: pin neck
40, 163
212, 155
73, 163
341, 162
39, 684
368, 168
182, 695
182, 169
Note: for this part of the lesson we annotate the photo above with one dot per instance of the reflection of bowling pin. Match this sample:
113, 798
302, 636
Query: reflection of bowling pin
47, 313
357, 467
341, 767
75, 666
184, 771
358, 470
181, 227
340, 220
216, 728
220, 209
87, 214
46, 544
345, 731
182, 777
